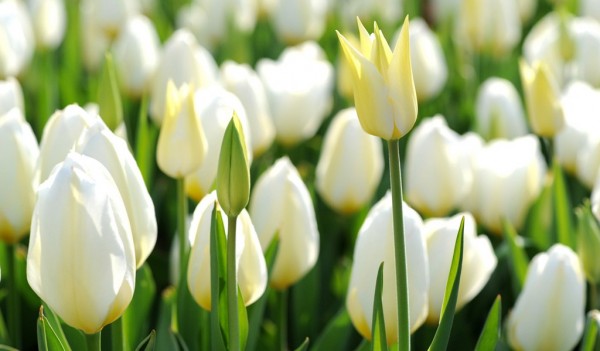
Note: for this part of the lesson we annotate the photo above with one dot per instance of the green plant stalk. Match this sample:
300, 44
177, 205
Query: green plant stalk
117, 336
14, 301
594, 296
232, 311
282, 319
182, 211
93, 341
399, 246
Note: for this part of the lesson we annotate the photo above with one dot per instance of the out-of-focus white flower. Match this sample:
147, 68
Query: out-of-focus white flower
568, 45
251, 269
295, 21
444, 10
81, 258
589, 8
281, 205
351, 164
184, 62
550, 311
209, 19
436, 171
110, 15
136, 52
508, 176
375, 244
241, 80
17, 40
18, 154
100, 143
580, 103
11, 95
488, 26
182, 145
94, 41
49, 22
479, 260
498, 110
61, 132
427, 59
214, 108
299, 87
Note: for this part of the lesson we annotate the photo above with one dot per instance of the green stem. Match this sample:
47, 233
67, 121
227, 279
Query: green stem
93, 341
399, 247
232, 312
594, 296
14, 301
117, 336
182, 212
283, 308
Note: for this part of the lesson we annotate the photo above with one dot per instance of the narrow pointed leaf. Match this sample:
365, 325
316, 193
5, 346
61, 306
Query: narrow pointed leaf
379, 342
135, 319
304, 345
539, 219
46, 337
491, 329
242, 320
562, 208
165, 338
109, 97
442, 334
517, 257
337, 332
54, 322
590, 335
148, 343
216, 230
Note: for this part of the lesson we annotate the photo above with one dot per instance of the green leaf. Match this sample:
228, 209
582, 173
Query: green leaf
217, 230
303, 346
379, 342
242, 320
109, 98
56, 325
46, 337
442, 334
590, 335
145, 143
539, 219
135, 319
165, 338
518, 258
588, 242
337, 331
149, 342
491, 329
562, 208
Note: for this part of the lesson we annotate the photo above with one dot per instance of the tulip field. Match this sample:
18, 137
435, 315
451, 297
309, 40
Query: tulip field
300, 175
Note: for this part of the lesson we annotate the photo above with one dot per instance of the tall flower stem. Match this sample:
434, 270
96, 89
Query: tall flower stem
399, 247
182, 211
282, 316
232, 312
14, 303
93, 341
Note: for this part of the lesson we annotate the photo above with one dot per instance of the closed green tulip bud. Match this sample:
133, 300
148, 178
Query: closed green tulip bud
588, 243
81, 258
384, 89
233, 174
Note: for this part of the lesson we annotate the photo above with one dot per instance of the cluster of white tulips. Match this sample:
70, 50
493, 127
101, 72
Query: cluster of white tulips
299, 174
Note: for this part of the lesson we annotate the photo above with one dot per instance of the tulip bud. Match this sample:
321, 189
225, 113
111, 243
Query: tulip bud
251, 268
580, 102
488, 26
375, 244
351, 164
214, 106
541, 99
384, 90
60, 134
181, 143
296, 21
184, 62
508, 175
18, 41
479, 260
49, 22
136, 53
427, 58
81, 258
588, 240
11, 95
435, 149
100, 143
549, 314
109, 97
299, 87
281, 205
499, 112
233, 174
18, 154
241, 80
